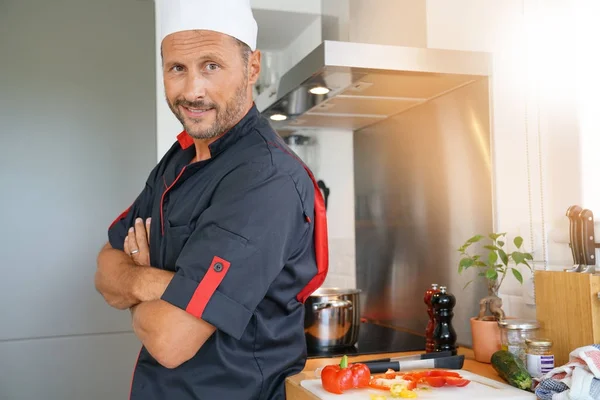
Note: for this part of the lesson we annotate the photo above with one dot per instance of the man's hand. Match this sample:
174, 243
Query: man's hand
120, 278
137, 242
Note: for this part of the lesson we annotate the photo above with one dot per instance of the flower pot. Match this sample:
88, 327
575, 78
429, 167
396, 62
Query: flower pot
486, 339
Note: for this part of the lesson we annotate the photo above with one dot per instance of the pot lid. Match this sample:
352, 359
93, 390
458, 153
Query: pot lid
334, 292
523, 324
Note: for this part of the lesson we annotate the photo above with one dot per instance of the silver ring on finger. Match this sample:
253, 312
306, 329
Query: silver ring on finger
134, 252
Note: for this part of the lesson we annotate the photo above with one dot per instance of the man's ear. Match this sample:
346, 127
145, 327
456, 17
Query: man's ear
254, 67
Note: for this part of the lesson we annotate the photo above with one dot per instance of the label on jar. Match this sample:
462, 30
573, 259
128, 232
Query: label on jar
539, 365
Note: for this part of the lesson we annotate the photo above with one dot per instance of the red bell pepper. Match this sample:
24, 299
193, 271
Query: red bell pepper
338, 378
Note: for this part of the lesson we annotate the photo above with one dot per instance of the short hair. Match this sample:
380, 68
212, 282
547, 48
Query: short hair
245, 49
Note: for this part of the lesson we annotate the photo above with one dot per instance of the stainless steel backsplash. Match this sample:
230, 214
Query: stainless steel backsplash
423, 184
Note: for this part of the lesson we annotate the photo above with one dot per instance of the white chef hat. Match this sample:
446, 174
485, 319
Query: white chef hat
231, 17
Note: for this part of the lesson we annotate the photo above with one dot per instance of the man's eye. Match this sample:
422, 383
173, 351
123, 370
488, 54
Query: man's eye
212, 67
177, 68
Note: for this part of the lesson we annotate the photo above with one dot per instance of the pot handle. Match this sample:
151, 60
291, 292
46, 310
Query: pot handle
332, 304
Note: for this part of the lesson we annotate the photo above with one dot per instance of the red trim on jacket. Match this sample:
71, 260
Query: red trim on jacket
120, 217
162, 199
185, 140
319, 235
207, 286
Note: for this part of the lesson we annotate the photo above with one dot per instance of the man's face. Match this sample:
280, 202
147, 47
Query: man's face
208, 84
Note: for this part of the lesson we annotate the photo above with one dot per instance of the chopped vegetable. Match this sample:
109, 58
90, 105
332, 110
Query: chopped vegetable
378, 397
399, 390
338, 378
460, 382
410, 380
398, 380
435, 381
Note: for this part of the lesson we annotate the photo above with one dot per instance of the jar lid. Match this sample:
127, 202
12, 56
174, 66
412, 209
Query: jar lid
538, 342
522, 324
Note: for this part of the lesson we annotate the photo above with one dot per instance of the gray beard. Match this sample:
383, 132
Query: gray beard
225, 119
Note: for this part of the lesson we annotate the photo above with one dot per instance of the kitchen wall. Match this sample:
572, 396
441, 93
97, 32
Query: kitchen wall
77, 141
543, 158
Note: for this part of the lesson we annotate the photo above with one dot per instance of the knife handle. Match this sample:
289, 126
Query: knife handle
573, 213
588, 239
380, 367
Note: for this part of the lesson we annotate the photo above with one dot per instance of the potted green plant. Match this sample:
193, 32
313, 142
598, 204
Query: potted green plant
493, 262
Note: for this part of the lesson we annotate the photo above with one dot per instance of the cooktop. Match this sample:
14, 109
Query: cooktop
374, 339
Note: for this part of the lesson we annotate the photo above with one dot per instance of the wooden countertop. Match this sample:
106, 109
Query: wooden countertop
295, 392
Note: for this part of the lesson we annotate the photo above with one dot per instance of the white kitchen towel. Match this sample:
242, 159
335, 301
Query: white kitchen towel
579, 379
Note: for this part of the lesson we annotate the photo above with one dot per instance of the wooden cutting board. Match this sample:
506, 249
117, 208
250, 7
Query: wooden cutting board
479, 388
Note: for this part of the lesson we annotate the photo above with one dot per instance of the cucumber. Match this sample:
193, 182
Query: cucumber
511, 369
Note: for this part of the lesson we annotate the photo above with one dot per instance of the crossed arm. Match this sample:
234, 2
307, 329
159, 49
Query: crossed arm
171, 335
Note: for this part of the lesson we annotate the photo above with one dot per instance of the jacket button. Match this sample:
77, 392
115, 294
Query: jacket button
218, 267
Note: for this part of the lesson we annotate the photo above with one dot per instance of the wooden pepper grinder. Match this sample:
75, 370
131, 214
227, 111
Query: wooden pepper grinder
444, 335
429, 343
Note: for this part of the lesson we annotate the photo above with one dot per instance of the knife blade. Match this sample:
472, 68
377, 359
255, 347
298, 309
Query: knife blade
423, 356
452, 362
575, 236
588, 242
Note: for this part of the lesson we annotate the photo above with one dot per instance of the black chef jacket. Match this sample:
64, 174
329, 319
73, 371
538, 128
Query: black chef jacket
245, 233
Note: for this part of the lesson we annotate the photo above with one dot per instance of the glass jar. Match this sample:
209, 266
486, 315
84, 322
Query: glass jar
540, 358
514, 333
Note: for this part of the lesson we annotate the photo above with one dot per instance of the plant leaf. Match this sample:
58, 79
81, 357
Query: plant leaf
517, 275
468, 283
503, 257
528, 266
464, 264
491, 274
528, 256
474, 239
494, 248
492, 258
501, 243
518, 242
518, 257
494, 236
480, 264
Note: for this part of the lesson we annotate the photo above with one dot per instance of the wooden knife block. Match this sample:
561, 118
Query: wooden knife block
568, 309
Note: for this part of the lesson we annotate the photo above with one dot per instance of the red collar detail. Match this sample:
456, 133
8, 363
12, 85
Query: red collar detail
185, 140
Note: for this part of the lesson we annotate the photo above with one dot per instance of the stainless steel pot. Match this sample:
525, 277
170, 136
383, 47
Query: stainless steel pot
332, 318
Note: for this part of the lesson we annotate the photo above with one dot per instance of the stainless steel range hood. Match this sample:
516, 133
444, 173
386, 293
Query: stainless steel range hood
368, 82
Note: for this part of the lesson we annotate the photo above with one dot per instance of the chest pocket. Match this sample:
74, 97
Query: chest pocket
173, 241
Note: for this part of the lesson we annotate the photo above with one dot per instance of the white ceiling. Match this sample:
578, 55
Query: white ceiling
277, 29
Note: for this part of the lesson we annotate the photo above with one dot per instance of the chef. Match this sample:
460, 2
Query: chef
228, 237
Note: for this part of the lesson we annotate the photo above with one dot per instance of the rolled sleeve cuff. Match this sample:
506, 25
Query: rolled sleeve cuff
116, 237
219, 310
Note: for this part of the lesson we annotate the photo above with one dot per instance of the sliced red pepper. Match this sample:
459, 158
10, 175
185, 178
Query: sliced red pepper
460, 382
338, 378
443, 373
435, 381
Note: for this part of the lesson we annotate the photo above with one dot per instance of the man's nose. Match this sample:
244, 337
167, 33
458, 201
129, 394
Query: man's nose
195, 88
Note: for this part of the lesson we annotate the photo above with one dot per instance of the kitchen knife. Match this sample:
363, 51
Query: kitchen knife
423, 356
588, 242
416, 357
453, 362
575, 237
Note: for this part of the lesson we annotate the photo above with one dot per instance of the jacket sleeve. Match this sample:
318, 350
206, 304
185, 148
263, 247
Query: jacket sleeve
141, 207
238, 247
